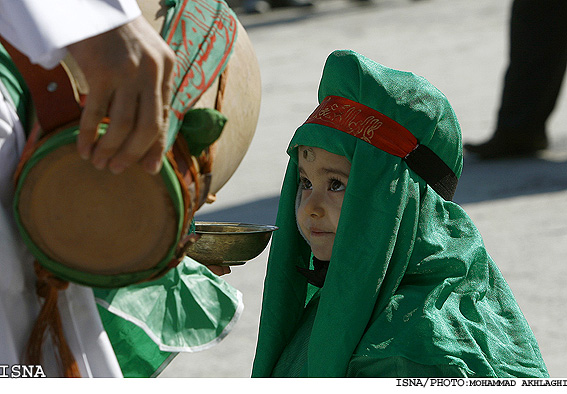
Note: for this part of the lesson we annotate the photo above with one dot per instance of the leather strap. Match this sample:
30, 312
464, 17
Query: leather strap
52, 91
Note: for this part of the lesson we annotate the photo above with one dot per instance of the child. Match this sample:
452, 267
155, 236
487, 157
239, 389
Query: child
409, 288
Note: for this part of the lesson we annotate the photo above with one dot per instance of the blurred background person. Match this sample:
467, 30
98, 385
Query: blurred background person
536, 69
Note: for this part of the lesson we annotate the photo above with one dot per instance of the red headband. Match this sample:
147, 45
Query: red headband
388, 135
365, 123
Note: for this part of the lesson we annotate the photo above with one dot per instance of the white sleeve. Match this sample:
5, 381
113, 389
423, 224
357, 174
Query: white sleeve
42, 29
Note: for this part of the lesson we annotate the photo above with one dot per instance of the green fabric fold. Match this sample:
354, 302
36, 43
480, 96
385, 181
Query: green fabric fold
201, 127
189, 309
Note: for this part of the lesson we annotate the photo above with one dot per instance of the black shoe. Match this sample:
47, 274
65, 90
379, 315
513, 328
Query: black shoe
501, 146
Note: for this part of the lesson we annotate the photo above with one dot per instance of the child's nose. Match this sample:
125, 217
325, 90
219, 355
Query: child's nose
314, 206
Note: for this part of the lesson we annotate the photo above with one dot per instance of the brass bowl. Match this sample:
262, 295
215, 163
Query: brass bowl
229, 243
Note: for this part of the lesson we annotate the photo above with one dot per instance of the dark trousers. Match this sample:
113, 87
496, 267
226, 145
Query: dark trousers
538, 58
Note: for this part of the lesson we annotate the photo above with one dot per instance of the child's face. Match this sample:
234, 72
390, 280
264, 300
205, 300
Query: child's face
323, 179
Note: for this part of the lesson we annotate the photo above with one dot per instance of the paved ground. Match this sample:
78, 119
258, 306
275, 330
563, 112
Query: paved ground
520, 206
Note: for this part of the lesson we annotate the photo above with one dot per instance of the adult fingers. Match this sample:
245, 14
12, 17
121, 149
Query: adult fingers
95, 110
153, 160
123, 118
129, 72
147, 129
167, 84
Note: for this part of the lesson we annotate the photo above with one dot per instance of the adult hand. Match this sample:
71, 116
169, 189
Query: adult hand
129, 71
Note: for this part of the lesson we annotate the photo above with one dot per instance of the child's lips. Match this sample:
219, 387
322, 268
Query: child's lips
318, 232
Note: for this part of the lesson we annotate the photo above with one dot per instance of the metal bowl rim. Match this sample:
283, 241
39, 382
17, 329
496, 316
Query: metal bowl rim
254, 228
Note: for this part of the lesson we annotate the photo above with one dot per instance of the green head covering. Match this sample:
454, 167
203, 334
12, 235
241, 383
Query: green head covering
410, 285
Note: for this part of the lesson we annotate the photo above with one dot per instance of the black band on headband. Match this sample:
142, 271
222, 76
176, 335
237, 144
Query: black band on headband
433, 170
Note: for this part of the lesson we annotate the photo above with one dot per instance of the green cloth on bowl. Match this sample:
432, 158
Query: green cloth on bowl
189, 309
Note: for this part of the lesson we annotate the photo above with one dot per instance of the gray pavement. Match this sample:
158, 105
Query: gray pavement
520, 206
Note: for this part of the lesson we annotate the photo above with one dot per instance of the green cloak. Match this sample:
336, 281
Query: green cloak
410, 289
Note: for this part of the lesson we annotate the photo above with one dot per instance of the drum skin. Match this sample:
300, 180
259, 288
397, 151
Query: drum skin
94, 221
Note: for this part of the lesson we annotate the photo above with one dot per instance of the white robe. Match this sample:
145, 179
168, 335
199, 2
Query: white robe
41, 29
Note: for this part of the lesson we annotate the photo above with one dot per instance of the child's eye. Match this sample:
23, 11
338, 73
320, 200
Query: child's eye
305, 183
336, 185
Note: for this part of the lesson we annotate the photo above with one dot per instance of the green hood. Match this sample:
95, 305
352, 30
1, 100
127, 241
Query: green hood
409, 276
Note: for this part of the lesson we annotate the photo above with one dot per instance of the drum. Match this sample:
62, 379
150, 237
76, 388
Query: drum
103, 230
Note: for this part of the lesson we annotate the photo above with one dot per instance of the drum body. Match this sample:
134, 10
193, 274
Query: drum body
104, 230
92, 227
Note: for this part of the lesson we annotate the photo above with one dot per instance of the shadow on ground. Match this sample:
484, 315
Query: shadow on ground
498, 179
257, 212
